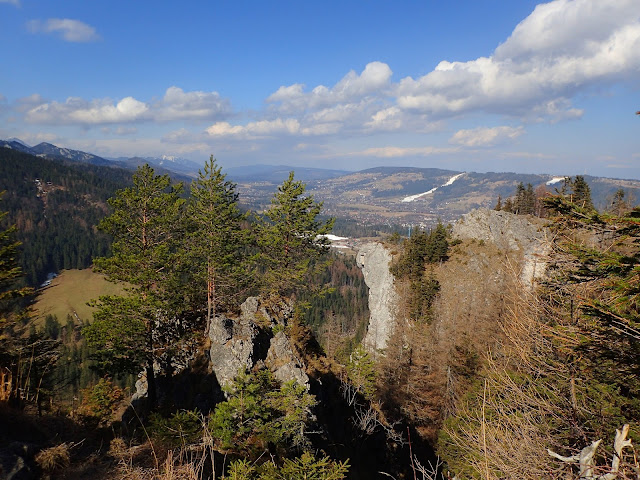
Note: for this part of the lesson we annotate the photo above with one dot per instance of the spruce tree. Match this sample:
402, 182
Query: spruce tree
291, 238
217, 240
518, 204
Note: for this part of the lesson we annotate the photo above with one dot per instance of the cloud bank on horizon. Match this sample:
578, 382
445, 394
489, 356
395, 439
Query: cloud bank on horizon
565, 57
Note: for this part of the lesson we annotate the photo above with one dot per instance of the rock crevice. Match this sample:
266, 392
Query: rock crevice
240, 344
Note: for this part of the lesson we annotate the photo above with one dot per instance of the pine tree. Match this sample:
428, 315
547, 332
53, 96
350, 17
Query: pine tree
216, 239
291, 238
146, 225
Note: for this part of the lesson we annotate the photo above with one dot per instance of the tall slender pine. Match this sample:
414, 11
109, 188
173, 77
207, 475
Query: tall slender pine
217, 241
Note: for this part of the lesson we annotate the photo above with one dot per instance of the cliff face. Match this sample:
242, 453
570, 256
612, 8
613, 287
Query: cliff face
513, 243
255, 338
509, 233
374, 260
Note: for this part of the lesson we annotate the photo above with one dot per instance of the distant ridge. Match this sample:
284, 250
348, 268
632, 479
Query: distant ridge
180, 167
48, 150
278, 173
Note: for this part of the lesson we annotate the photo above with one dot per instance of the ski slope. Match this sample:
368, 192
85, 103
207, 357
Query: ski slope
449, 182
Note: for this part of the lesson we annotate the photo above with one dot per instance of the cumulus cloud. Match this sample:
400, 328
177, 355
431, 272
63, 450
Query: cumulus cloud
176, 104
353, 86
263, 128
561, 48
69, 29
25, 104
96, 112
180, 105
485, 136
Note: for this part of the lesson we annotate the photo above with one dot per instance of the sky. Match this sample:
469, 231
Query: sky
470, 85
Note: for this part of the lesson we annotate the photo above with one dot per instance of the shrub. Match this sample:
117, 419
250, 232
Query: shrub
54, 458
102, 400
181, 428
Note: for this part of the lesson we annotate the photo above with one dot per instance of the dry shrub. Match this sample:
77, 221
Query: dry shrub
118, 448
503, 428
429, 367
190, 462
5, 384
54, 458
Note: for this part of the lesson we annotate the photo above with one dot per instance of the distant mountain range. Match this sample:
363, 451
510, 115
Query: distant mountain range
372, 196
181, 166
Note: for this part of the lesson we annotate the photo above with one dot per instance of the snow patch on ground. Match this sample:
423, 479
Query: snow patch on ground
449, 182
555, 180
334, 238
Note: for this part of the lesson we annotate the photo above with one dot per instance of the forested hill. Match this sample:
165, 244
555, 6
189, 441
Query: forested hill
55, 206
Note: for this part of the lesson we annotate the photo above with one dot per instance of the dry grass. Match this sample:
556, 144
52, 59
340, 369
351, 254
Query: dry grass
54, 459
190, 462
69, 294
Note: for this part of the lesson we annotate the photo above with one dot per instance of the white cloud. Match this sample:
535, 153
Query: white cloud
262, 128
175, 105
180, 105
558, 50
69, 29
352, 87
96, 112
485, 136
394, 152
36, 138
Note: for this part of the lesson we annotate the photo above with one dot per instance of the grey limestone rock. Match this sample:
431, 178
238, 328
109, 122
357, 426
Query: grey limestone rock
284, 363
233, 344
509, 232
374, 260
239, 344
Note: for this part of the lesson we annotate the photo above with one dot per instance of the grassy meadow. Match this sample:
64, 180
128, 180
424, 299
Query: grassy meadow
69, 293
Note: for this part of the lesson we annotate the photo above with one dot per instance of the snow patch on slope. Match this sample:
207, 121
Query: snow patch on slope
555, 180
449, 182
333, 238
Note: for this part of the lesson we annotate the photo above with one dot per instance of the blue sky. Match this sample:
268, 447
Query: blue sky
466, 85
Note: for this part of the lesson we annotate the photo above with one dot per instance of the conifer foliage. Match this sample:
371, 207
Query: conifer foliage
217, 242
146, 225
421, 250
291, 238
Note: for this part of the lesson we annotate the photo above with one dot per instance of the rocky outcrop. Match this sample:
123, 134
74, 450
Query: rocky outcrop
239, 344
282, 361
509, 232
374, 260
